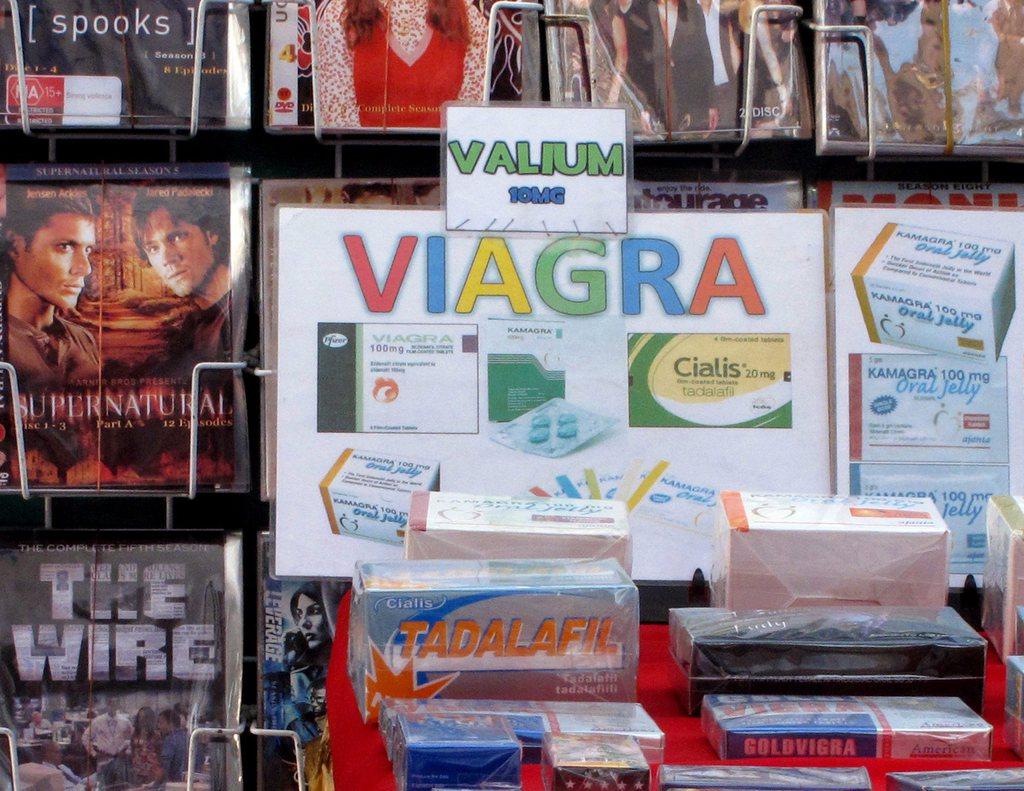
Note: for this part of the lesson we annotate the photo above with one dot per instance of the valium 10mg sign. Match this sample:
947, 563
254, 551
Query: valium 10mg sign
655, 368
514, 168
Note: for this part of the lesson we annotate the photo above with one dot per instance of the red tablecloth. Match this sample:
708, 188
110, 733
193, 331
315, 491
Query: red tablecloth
360, 763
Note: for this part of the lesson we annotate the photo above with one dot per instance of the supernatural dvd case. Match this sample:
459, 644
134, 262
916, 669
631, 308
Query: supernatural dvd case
947, 77
113, 648
297, 618
116, 281
126, 64
390, 66
681, 66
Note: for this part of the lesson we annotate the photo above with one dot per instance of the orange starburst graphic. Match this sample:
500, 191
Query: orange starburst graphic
383, 682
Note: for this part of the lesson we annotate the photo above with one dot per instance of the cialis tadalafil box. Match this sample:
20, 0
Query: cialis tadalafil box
944, 292
797, 550
367, 493
1004, 572
450, 526
498, 630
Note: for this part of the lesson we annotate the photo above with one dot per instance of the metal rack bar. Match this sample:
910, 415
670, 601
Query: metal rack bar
172, 137
231, 734
300, 767
576, 22
12, 754
19, 429
492, 31
863, 32
193, 448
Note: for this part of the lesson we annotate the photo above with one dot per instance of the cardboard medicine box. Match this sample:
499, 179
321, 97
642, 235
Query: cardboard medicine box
449, 526
939, 291
1004, 573
773, 551
366, 493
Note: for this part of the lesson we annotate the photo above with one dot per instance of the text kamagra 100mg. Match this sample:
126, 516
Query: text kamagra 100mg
512, 630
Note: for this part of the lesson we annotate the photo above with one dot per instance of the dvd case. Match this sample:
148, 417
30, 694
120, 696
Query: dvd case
757, 727
391, 66
297, 618
762, 778
962, 780
93, 63
680, 66
113, 649
963, 194
115, 282
719, 194
311, 192
946, 77
816, 651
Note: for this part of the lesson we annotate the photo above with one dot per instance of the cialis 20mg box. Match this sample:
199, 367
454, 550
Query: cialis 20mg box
944, 292
367, 493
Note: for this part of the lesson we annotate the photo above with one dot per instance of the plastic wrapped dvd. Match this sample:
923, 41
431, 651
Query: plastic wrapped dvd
798, 550
825, 727
594, 761
297, 619
468, 750
312, 192
532, 719
1004, 573
762, 778
681, 65
449, 526
719, 193
826, 194
557, 630
151, 281
391, 66
946, 77
115, 650
91, 63
814, 651
962, 780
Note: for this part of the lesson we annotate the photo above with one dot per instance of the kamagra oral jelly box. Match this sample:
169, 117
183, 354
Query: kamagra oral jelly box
1004, 573
450, 526
939, 291
367, 493
773, 551
512, 630
826, 727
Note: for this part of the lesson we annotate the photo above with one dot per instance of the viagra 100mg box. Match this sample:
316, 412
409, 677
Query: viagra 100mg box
516, 629
939, 291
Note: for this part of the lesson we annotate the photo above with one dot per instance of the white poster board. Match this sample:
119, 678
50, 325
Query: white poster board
516, 168
912, 419
686, 357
